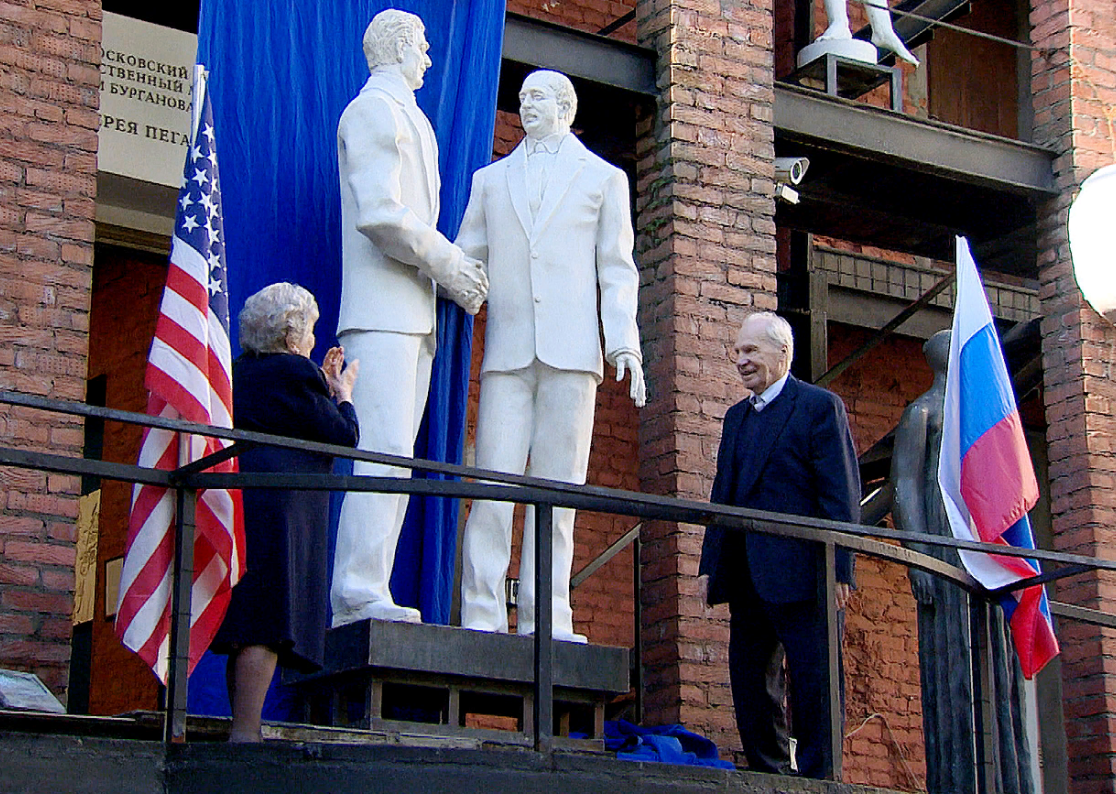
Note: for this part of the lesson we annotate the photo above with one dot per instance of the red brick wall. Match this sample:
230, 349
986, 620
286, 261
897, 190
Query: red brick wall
127, 287
706, 246
590, 16
49, 80
883, 706
1074, 81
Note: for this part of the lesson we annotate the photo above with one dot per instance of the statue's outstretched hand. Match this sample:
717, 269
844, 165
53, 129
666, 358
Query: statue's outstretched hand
922, 586
638, 389
468, 287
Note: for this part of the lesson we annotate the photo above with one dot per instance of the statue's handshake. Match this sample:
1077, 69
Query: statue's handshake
467, 286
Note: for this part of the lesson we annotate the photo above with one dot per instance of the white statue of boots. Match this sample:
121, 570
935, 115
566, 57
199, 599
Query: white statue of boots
879, 19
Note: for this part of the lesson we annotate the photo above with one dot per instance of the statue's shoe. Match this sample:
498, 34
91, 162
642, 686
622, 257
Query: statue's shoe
883, 34
377, 610
837, 31
562, 636
889, 40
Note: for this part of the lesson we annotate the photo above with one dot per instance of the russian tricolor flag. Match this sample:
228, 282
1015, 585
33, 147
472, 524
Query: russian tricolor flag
985, 470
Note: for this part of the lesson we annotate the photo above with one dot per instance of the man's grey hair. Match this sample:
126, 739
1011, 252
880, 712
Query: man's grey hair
563, 91
275, 314
387, 31
778, 332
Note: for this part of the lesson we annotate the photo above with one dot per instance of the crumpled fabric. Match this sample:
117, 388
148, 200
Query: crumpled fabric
665, 744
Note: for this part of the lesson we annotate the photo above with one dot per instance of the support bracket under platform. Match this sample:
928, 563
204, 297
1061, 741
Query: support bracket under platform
850, 78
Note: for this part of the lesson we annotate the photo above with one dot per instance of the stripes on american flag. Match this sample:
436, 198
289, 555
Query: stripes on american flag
188, 377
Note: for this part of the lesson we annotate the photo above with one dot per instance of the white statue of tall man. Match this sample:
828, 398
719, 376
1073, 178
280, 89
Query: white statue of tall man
552, 222
393, 260
838, 36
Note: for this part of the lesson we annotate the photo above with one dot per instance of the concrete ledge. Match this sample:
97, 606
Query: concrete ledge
49, 763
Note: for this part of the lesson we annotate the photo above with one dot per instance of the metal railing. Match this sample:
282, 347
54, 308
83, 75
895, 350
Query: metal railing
544, 496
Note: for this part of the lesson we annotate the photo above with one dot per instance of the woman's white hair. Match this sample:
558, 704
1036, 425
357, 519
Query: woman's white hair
275, 314
386, 33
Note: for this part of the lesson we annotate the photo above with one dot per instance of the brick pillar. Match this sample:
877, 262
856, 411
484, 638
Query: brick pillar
707, 251
1074, 82
49, 95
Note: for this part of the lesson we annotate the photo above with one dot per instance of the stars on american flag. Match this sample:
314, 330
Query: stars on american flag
189, 376
199, 220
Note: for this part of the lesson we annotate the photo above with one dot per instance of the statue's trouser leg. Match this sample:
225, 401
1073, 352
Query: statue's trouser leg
548, 414
837, 15
564, 406
505, 416
389, 397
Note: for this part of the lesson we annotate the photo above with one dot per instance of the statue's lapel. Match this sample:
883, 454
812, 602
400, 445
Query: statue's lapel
517, 185
568, 163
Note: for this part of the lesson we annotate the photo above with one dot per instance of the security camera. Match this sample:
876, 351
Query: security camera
786, 193
790, 170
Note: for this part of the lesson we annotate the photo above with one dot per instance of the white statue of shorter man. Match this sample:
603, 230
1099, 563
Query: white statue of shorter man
393, 260
838, 37
553, 222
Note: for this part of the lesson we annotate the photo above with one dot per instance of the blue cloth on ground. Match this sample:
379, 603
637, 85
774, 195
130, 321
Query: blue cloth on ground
666, 744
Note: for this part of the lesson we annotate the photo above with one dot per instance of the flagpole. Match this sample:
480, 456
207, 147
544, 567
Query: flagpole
182, 576
181, 606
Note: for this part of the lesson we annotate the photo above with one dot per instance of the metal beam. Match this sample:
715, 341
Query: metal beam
595, 58
878, 338
918, 144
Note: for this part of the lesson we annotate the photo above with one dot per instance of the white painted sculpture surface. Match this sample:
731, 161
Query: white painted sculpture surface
838, 39
552, 221
394, 260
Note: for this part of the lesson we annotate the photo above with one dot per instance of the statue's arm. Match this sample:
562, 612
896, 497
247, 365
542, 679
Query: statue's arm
908, 461
617, 275
472, 237
371, 141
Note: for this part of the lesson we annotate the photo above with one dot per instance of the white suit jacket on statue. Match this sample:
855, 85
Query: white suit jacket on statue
391, 252
544, 275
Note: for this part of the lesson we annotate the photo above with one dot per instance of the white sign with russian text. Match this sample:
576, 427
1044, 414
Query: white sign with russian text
146, 71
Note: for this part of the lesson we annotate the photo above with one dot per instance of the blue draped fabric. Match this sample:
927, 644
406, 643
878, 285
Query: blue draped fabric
281, 72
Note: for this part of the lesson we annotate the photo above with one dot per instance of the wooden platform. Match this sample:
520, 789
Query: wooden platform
449, 681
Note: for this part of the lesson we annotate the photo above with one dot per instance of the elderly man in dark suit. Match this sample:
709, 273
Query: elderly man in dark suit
785, 449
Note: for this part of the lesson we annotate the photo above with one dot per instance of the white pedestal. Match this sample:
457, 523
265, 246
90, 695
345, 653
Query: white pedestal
852, 49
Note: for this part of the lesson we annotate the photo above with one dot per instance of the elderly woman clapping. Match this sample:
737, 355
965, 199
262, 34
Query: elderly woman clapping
279, 610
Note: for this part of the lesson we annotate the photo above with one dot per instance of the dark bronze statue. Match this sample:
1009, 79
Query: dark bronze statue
944, 628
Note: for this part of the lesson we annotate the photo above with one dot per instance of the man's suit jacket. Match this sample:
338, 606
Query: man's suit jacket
391, 251
544, 274
803, 463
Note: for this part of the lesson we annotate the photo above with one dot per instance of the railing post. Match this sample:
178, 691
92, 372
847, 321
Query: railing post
544, 619
637, 647
182, 583
828, 581
984, 698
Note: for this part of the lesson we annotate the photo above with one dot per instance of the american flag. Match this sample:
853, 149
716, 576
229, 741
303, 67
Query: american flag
188, 377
